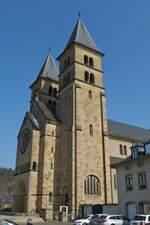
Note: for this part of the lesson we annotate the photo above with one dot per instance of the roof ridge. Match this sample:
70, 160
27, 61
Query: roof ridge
132, 125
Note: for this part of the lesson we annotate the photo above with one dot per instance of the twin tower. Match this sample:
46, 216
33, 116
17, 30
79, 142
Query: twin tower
62, 144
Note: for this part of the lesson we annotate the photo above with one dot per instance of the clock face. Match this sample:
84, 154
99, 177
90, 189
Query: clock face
24, 141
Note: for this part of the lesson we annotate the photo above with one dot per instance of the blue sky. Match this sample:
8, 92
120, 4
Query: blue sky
121, 29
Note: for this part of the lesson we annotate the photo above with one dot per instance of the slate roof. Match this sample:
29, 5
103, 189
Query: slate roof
49, 69
47, 112
81, 35
122, 130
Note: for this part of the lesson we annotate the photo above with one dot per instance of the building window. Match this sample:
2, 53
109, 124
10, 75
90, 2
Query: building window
92, 185
65, 64
86, 60
50, 197
52, 149
66, 199
121, 149
86, 76
52, 133
51, 166
91, 129
92, 80
50, 90
142, 180
90, 94
91, 62
129, 182
34, 166
69, 60
49, 102
141, 208
55, 92
144, 208
125, 150
115, 182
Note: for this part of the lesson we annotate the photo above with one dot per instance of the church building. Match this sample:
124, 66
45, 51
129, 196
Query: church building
66, 143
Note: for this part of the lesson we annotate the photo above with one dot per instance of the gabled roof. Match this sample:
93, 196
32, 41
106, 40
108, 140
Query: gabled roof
47, 112
126, 131
49, 69
29, 116
81, 35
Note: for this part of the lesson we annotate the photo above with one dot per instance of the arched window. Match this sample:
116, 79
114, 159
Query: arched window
50, 196
91, 62
34, 166
125, 150
92, 80
86, 60
55, 92
92, 185
91, 130
90, 94
121, 149
50, 90
86, 76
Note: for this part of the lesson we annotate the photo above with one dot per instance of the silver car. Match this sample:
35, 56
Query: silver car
140, 220
115, 220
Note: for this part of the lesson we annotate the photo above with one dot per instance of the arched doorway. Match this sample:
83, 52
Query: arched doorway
131, 210
20, 198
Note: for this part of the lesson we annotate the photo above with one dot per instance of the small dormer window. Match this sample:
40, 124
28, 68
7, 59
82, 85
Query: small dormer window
147, 148
137, 151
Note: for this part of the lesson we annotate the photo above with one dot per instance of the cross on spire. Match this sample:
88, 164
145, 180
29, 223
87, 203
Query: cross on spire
79, 14
50, 49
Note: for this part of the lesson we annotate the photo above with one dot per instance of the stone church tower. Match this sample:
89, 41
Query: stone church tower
65, 142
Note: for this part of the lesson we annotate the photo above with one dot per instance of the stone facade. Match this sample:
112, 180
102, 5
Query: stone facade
134, 194
65, 143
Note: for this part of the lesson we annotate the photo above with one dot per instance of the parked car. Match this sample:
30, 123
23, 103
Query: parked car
83, 221
115, 220
140, 220
91, 219
96, 219
7, 222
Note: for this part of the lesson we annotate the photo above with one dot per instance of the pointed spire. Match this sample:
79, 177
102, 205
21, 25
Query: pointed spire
81, 35
49, 69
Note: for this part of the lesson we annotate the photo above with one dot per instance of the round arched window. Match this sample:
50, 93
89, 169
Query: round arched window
24, 140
